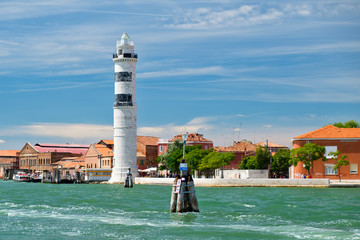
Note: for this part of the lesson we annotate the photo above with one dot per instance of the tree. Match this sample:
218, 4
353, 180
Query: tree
263, 157
261, 160
307, 154
342, 161
194, 157
170, 159
280, 163
348, 124
215, 160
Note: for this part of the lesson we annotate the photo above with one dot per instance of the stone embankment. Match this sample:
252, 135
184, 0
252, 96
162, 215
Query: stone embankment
210, 182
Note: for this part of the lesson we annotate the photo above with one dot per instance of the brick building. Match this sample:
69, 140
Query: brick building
192, 140
101, 155
9, 159
40, 157
147, 152
240, 149
345, 140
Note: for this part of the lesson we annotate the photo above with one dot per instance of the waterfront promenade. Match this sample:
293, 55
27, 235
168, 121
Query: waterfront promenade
271, 182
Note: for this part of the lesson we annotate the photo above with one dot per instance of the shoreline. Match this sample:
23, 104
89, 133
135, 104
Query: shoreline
256, 182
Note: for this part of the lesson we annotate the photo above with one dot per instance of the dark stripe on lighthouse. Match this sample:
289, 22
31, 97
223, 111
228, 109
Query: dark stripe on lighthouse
123, 100
123, 77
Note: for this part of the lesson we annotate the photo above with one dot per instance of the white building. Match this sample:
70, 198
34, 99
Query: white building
124, 110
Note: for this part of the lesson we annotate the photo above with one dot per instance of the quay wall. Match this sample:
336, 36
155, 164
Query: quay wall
268, 182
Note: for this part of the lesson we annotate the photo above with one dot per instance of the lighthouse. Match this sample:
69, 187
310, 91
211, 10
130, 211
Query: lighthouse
124, 110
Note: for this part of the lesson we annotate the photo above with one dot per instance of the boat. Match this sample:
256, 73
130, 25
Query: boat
21, 177
37, 176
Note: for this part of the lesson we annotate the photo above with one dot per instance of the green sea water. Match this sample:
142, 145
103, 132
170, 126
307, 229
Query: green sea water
102, 211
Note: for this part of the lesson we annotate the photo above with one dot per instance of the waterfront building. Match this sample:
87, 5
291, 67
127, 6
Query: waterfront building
241, 149
192, 140
124, 107
40, 157
9, 159
345, 140
68, 166
101, 154
147, 152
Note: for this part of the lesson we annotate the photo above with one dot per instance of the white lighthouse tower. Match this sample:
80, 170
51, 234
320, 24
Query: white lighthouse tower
124, 110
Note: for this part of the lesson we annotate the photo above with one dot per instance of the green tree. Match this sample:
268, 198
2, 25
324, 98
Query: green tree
170, 159
261, 160
348, 124
263, 157
215, 160
307, 154
341, 161
252, 163
280, 163
194, 157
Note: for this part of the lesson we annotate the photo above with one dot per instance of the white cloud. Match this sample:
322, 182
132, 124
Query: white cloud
203, 18
304, 49
62, 130
199, 125
183, 72
2, 141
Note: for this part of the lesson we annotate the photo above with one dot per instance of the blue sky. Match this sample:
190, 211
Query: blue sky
231, 70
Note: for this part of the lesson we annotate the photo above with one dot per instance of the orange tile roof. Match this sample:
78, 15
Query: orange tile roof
103, 150
270, 144
241, 146
9, 153
192, 137
146, 140
108, 142
331, 131
70, 164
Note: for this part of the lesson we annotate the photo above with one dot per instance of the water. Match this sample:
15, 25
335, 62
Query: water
94, 211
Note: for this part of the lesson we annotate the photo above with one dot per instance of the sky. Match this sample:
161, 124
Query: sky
230, 70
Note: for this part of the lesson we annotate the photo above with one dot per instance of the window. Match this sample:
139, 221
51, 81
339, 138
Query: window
329, 169
161, 148
142, 162
329, 149
353, 168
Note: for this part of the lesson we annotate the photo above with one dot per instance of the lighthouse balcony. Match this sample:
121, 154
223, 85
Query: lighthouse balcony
125, 55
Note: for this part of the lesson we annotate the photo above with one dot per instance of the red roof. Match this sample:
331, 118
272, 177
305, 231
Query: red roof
9, 153
241, 146
63, 148
192, 137
146, 140
331, 132
270, 145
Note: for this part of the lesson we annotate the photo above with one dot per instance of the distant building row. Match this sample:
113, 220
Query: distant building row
71, 157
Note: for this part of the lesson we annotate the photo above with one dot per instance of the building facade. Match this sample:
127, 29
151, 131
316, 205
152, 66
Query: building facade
147, 152
192, 140
345, 140
9, 159
241, 149
41, 157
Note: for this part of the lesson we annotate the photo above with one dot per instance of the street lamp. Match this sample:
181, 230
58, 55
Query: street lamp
184, 137
222, 173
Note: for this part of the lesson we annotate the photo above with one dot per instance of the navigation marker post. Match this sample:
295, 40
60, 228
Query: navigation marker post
183, 196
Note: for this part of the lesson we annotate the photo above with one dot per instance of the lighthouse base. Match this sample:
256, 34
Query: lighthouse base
118, 175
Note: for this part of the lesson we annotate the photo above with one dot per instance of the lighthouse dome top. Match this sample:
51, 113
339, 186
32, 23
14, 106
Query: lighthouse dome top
125, 40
